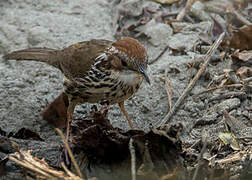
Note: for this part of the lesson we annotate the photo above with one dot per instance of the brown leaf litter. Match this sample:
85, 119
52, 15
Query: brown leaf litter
158, 152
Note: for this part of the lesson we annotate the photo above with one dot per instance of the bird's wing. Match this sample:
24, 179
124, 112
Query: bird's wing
77, 59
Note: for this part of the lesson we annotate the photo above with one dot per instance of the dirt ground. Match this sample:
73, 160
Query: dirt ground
26, 88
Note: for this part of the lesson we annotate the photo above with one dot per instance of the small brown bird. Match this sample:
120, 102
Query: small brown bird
95, 71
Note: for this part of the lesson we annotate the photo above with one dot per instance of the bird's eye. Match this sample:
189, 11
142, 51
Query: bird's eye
124, 63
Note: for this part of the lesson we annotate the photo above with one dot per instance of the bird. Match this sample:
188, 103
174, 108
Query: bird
95, 71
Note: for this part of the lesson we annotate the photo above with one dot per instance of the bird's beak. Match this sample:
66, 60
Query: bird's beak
143, 72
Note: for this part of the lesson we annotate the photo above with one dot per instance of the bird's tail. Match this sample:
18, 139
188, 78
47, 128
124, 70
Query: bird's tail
46, 55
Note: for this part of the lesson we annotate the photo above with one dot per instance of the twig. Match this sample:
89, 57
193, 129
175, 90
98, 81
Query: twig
233, 158
167, 14
241, 19
219, 87
183, 12
196, 143
193, 82
247, 79
159, 56
28, 166
133, 159
70, 153
228, 95
39, 166
204, 140
168, 90
66, 170
245, 137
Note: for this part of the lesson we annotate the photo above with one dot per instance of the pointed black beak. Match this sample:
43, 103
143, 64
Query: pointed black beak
143, 72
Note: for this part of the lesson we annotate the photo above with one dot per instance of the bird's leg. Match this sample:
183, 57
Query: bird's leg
121, 105
70, 111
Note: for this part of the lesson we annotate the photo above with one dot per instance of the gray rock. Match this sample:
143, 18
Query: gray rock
183, 41
37, 35
159, 33
197, 9
228, 105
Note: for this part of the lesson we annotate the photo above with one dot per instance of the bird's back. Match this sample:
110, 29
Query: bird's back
77, 59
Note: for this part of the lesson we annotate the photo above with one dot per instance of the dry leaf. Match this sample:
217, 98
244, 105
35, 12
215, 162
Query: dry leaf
244, 72
242, 39
229, 139
217, 28
244, 55
206, 38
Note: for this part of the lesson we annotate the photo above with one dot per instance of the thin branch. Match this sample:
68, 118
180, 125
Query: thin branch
247, 79
70, 153
66, 170
204, 140
193, 81
241, 19
233, 158
28, 166
183, 12
228, 95
133, 159
219, 87
159, 56
39, 167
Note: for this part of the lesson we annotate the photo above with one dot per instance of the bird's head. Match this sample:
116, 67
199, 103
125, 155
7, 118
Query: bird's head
130, 56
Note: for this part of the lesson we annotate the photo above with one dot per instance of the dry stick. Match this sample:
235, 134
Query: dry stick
241, 19
183, 12
67, 170
35, 166
25, 159
204, 140
159, 56
133, 159
70, 153
247, 79
235, 157
35, 169
164, 15
168, 90
193, 81
219, 87
199, 159
27, 163
228, 95
245, 137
